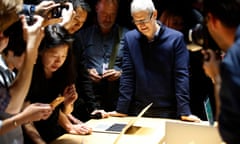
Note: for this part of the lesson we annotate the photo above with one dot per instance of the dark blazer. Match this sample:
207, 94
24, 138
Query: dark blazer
155, 72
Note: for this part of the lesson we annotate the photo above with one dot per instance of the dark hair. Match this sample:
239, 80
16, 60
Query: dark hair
81, 3
8, 12
56, 35
16, 42
228, 11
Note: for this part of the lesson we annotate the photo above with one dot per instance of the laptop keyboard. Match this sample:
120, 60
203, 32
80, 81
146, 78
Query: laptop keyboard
116, 127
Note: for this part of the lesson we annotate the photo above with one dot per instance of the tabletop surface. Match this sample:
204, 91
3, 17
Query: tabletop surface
144, 131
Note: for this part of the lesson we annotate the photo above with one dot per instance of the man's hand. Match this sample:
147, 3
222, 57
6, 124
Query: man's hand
45, 7
111, 74
116, 114
33, 35
211, 65
67, 15
191, 118
94, 76
103, 113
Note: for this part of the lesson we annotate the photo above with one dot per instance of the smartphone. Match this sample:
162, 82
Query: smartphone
208, 111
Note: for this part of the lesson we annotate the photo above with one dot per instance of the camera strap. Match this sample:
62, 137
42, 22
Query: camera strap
115, 48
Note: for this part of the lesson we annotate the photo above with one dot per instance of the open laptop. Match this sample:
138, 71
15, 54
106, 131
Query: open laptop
193, 133
190, 133
117, 128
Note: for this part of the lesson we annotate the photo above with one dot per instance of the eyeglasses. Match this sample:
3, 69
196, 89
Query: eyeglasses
147, 20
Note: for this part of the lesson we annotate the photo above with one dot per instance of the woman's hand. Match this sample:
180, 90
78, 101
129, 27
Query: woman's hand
73, 125
36, 112
81, 129
71, 96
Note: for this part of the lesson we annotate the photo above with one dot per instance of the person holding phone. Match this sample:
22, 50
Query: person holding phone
98, 82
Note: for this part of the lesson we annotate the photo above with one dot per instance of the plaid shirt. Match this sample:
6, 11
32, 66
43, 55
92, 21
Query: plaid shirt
5, 80
4, 97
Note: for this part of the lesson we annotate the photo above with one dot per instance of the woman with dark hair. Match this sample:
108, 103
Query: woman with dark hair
54, 75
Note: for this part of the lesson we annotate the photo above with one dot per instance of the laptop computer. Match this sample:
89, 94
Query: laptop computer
190, 133
117, 128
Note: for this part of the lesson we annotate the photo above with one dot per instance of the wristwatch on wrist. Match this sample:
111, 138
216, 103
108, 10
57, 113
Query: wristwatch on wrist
32, 9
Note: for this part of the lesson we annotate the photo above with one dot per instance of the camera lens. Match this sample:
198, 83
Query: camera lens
196, 35
57, 12
30, 20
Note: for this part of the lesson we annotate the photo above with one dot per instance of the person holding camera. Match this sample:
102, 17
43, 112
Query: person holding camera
73, 21
12, 93
10, 15
12, 96
11, 61
222, 21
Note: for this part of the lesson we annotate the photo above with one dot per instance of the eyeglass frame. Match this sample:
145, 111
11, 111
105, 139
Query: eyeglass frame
147, 20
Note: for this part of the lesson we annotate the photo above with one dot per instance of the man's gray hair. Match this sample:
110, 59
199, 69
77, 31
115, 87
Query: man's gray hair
142, 5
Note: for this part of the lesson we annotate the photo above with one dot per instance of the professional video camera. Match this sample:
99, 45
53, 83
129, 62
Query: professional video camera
200, 36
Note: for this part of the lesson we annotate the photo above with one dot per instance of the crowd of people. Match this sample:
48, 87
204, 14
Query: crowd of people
102, 66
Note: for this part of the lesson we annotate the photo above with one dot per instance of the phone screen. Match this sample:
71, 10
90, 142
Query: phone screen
208, 111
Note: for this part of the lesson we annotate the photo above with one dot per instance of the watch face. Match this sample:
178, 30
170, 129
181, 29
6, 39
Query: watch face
32, 9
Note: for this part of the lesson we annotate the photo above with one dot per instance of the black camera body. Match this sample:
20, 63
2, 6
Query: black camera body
29, 19
200, 36
57, 11
196, 34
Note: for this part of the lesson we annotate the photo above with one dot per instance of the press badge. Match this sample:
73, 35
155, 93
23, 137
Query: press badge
104, 67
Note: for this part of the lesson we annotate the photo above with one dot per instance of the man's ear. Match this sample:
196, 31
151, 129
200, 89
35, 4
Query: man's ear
155, 14
10, 53
3, 43
213, 21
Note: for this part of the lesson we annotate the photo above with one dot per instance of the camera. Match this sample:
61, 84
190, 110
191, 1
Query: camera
29, 19
57, 11
196, 34
200, 36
